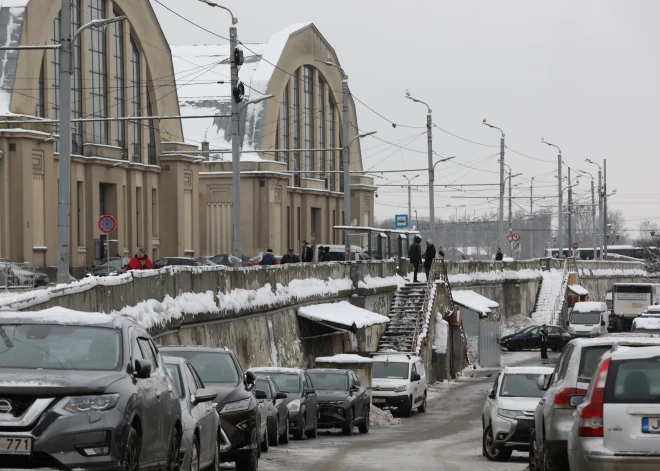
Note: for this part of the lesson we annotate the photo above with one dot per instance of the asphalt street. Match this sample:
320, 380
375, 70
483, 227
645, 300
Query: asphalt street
445, 438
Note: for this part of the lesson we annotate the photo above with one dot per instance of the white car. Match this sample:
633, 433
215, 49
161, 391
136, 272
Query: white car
508, 414
617, 425
588, 319
399, 381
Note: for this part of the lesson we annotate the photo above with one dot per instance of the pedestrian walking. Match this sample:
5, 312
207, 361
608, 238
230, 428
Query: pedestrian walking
290, 257
499, 256
307, 252
429, 256
415, 254
544, 343
268, 258
326, 254
140, 261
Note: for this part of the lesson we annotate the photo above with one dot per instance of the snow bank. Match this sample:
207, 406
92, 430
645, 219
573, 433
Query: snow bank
515, 324
60, 315
441, 334
344, 358
381, 417
646, 323
427, 319
521, 275
377, 282
613, 272
343, 313
474, 301
152, 312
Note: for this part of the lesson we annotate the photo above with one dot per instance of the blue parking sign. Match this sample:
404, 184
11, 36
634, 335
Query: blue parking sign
401, 221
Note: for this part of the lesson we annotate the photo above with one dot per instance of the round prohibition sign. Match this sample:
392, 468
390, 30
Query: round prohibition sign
515, 237
107, 224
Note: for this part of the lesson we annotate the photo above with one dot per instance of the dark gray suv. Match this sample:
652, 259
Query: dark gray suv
84, 391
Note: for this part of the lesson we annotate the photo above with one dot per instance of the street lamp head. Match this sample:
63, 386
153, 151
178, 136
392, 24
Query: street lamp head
234, 20
254, 101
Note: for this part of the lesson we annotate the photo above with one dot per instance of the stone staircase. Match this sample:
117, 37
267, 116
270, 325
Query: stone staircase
406, 307
552, 295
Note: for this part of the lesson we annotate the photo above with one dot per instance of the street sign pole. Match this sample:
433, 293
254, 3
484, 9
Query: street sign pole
107, 224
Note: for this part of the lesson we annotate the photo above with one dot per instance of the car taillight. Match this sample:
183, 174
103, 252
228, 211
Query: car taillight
562, 397
591, 412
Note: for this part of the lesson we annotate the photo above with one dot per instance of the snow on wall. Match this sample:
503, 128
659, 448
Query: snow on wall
342, 313
441, 334
427, 318
495, 276
344, 358
377, 282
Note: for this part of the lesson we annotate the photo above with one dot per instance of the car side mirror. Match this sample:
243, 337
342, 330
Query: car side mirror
355, 388
575, 400
280, 395
261, 394
415, 377
203, 395
542, 382
250, 378
308, 391
142, 368
491, 394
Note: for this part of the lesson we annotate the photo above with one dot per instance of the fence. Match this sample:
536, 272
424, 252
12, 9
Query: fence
15, 276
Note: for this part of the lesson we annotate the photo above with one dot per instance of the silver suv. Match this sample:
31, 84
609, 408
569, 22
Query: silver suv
553, 417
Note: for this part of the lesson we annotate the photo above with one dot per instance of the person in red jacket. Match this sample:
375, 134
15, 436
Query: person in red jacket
140, 262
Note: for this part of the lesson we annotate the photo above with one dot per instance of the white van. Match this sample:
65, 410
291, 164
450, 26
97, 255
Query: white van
399, 381
588, 319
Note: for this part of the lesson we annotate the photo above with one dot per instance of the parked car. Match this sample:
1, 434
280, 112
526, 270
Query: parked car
301, 399
13, 274
227, 260
343, 401
84, 391
399, 381
338, 253
530, 337
206, 262
169, 261
508, 414
553, 416
115, 266
202, 438
646, 325
618, 424
278, 412
236, 403
588, 319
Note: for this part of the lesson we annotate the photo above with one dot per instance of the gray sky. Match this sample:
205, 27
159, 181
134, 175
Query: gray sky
585, 75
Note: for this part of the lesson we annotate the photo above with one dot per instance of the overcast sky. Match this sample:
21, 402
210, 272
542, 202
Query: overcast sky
583, 74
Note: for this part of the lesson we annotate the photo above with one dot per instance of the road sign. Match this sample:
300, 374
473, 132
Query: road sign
107, 224
575, 245
516, 246
401, 221
515, 236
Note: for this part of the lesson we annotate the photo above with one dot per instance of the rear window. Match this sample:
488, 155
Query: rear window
589, 361
634, 381
212, 367
520, 385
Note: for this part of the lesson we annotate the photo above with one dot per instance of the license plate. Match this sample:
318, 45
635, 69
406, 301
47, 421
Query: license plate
650, 424
15, 446
379, 401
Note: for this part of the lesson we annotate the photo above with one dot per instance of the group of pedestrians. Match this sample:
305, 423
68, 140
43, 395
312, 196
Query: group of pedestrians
415, 255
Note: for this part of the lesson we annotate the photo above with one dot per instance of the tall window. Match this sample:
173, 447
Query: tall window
309, 121
41, 94
120, 98
341, 167
296, 125
331, 137
77, 102
80, 198
55, 67
285, 124
136, 128
98, 73
152, 133
322, 129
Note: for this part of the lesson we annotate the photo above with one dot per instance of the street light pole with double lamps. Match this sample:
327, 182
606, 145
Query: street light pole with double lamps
410, 196
500, 222
600, 204
560, 215
594, 226
510, 178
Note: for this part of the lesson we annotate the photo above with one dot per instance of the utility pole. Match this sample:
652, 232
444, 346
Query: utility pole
235, 146
347, 163
64, 194
560, 213
510, 228
593, 219
570, 213
409, 202
605, 209
500, 227
429, 140
531, 215
600, 209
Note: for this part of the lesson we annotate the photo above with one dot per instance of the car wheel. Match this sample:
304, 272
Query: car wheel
173, 451
248, 462
422, 408
216, 460
194, 455
493, 453
300, 434
284, 438
265, 444
131, 459
273, 437
545, 460
347, 429
406, 410
364, 426
314, 433
520, 346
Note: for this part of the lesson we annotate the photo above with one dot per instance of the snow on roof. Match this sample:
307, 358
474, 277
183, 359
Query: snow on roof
59, 315
343, 313
646, 323
344, 358
627, 353
275, 370
526, 370
579, 290
653, 309
395, 356
474, 301
589, 306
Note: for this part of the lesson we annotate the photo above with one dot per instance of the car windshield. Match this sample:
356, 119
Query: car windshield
176, 374
262, 385
635, 381
389, 370
212, 367
520, 385
329, 381
642, 330
59, 347
286, 382
589, 361
526, 330
592, 317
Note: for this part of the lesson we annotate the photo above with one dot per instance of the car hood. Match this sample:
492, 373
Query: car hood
527, 404
332, 395
583, 327
227, 393
29, 382
387, 383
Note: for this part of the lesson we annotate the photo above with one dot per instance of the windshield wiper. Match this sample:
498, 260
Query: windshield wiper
5, 338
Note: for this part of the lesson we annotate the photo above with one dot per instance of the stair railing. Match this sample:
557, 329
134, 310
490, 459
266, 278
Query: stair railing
561, 296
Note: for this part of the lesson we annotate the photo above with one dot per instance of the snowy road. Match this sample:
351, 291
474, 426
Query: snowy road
446, 438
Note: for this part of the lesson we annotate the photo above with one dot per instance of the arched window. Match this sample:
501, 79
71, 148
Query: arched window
119, 78
322, 129
309, 121
296, 125
151, 144
41, 99
136, 104
98, 73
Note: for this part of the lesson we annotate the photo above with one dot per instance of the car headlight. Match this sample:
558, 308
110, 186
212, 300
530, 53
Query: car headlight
595, 329
571, 330
294, 406
82, 404
509, 414
236, 406
401, 388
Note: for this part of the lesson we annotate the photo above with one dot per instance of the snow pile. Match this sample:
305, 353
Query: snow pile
427, 319
643, 323
515, 324
377, 282
343, 313
553, 288
344, 358
152, 312
60, 315
613, 272
441, 335
579, 290
474, 277
474, 301
382, 417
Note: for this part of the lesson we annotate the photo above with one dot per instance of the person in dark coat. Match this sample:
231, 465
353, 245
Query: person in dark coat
140, 262
307, 252
429, 256
415, 254
498, 255
268, 258
544, 343
326, 254
614, 324
290, 257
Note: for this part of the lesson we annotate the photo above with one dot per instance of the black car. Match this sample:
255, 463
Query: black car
530, 337
278, 411
224, 259
84, 391
114, 266
343, 401
176, 261
300, 399
237, 405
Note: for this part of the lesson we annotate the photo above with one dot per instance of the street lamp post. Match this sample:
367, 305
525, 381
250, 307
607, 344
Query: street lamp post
456, 224
600, 204
593, 214
560, 215
500, 226
531, 215
410, 196
510, 178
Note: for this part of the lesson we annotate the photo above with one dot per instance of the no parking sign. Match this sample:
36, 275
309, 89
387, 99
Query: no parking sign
107, 224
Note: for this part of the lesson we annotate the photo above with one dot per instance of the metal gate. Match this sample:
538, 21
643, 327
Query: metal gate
489, 344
